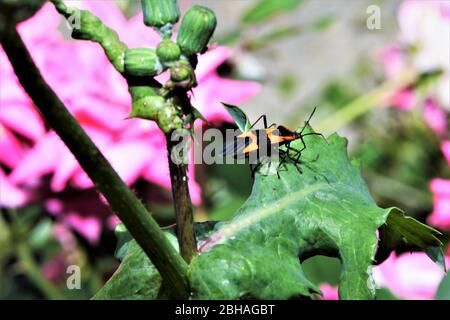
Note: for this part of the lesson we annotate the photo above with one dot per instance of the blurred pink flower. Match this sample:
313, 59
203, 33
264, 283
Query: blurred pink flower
405, 99
435, 117
409, 276
424, 46
393, 59
55, 268
445, 147
425, 27
11, 196
440, 217
97, 95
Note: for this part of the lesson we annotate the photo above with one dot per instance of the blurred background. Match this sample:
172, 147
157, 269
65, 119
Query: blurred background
377, 71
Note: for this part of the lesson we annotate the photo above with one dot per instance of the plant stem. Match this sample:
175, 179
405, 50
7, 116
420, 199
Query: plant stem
183, 206
34, 273
18, 234
364, 103
180, 190
121, 199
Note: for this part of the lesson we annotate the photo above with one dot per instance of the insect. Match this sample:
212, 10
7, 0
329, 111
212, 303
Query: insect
261, 144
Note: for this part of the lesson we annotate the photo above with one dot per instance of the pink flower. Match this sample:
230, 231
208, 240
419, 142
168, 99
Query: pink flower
440, 217
55, 268
329, 292
410, 276
435, 117
97, 95
393, 59
445, 147
424, 46
10, 195
425, 26
405, 99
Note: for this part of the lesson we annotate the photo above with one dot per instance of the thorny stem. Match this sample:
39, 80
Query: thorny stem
121, 199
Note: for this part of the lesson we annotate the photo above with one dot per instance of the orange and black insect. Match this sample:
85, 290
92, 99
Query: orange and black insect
251, 142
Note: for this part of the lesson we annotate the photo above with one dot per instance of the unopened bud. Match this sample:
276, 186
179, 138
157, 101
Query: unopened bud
197, 27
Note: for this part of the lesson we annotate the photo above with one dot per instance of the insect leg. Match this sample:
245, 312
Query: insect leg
264, 118
255, 168
283, 156
309, 119
296, 160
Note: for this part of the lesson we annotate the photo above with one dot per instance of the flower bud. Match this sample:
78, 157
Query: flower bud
168, 51
182, 75
158, 13
142, 62
197, 27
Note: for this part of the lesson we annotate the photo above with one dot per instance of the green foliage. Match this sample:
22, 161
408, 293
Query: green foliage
443, 292
265, 9
322, 269
338, 93
323, 23
408, 233
385, 294
287, 85
239, 117
400, 157
327, 210
136, 277
270, 37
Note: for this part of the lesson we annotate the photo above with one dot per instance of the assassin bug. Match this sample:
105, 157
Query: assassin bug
250, 143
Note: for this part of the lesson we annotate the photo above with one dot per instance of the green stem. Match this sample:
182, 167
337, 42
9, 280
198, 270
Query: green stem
121, 199
180, 189
376, 97
183, 206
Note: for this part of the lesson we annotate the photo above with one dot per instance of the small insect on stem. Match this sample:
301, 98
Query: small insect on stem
263, 144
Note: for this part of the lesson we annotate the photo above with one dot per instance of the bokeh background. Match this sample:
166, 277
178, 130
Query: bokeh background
386, 89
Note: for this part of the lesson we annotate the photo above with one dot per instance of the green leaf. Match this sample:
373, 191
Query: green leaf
443, 292
385, 294
265, 9
198, 115
404, 232
326, 210
136, 277
124, 241
239, 117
